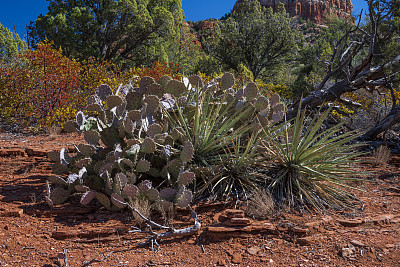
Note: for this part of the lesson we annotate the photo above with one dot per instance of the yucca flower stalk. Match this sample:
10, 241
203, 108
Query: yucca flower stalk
311, 165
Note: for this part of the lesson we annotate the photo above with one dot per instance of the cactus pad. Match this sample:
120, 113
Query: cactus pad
56, 180
261, 103
187, 152
121, 180
177, 133
195, 81
59, 168
92, 137
144, 84
184, 199
186, 178
168, 194
152, 194
148, 145
87, 197
227, 81
82, 188
133, 100
113, 101
279, 107
274, 99
251, 91
135, 115
86, 150
155, 89
70, 126
164, 80
103, 91
277, 116
175, 88
131, 191
59, 195
154, 130
94, 108
116, 199
152, 104
143, 166
103, 199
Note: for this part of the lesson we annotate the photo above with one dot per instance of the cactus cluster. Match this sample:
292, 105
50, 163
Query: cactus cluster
133, 138
126, 144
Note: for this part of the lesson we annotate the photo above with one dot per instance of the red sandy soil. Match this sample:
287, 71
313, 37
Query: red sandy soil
33, 234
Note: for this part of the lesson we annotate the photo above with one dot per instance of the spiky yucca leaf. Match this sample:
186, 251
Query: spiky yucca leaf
311, 166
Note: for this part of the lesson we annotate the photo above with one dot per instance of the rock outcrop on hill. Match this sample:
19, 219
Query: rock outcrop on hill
313, 10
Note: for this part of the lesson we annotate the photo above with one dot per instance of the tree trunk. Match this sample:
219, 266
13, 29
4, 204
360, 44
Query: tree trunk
391, 119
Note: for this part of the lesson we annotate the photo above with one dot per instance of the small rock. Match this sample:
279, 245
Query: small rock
347, 252
253, 250
351, 222
278, 241
237, 258
232, 213
300, 231
12, 213
305, 241
357, 243
240, 221
221, 263
390, 245
381, 219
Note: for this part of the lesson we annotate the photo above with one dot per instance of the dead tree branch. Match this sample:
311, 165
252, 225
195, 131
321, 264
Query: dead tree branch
360, 65
170, 233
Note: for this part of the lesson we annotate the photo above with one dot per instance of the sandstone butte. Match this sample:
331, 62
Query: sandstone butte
313, 10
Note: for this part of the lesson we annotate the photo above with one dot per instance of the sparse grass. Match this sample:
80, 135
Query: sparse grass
381, 156
144, 207
261, 204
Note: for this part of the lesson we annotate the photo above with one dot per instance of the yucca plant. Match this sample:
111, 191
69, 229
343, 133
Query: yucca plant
311, 165
239, 172
209, 124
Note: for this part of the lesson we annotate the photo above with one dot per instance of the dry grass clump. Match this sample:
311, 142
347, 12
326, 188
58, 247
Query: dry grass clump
381, 156
261, 204
144, 207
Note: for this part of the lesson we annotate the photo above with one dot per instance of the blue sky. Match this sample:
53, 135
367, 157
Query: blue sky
20, 12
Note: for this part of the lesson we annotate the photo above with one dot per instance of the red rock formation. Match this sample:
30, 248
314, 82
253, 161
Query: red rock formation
314, 10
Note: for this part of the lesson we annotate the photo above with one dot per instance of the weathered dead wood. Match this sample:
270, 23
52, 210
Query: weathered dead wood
355, 73
170, 231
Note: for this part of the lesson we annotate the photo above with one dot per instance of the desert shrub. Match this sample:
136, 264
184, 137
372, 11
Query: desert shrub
33, 91
381, 155
261, 204
159, 69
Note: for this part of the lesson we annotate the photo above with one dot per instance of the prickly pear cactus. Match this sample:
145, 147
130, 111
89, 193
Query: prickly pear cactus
125, 144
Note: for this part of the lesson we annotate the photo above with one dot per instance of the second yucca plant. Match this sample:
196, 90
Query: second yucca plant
311, 165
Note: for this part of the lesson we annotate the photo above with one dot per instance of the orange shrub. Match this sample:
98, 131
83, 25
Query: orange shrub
41, 83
